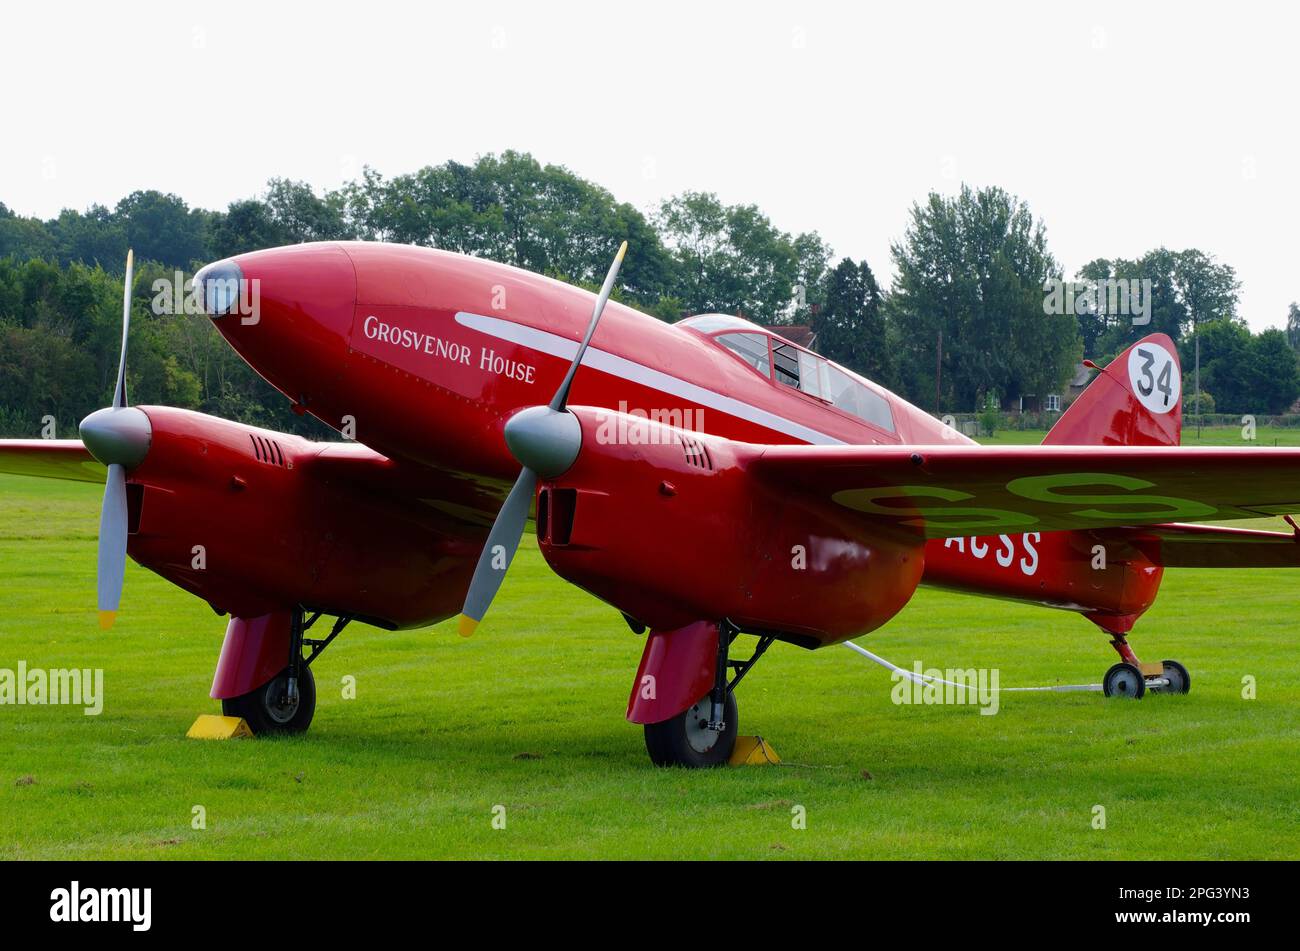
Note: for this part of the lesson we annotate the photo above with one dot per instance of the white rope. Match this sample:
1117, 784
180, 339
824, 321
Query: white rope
922, 678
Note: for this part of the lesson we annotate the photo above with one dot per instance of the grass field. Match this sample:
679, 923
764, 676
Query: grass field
1209, 436
528, 715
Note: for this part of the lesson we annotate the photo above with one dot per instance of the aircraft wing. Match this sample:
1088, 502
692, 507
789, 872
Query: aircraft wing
454, 497
50, 459
442, 494
1214, 546
959, 490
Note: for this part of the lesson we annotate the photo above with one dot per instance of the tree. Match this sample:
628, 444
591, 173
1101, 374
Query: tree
302, 215
850, 326
1208, 290
1187, 290
971, 272
1293, 326
162, 228
24, 238
1194, 406
730, 259
1225, 357
513, 209
1150, 278
1273, 372
813, 256
96, 237
1094, 322
247, 225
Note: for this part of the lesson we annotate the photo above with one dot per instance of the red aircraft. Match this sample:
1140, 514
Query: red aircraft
706, 479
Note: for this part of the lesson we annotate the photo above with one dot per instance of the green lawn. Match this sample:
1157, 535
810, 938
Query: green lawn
529, 715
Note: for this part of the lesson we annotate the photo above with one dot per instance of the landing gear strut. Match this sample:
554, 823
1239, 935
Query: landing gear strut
288, 702
1132, 678
705, 734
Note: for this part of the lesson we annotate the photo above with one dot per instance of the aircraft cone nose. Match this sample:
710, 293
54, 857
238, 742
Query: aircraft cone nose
221, 288
117, 436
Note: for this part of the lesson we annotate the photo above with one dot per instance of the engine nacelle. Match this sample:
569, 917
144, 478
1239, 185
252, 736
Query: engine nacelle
670, 528
253, 522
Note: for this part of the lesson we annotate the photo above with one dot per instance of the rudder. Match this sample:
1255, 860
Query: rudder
1136, 400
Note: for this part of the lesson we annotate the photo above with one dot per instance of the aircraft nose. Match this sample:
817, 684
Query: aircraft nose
221, 288
117, 436
288, 312
295, 285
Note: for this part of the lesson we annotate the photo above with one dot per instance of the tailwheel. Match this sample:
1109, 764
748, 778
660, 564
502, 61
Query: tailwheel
1124, 680
688, 740
1174, 679
273, 709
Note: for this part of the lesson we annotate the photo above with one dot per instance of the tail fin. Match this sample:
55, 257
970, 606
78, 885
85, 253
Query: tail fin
1135, 401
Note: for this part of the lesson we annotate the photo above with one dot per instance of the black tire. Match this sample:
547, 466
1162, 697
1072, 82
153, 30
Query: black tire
678, 742
1124, 680
264, 716
1180, 681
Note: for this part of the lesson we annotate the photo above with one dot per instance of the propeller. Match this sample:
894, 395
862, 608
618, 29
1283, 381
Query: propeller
119, 437
544, 440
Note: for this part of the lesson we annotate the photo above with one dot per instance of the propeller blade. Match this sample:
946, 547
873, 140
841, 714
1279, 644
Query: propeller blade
112, 545
561, 396
119, 392
499, 552
114, 440
551, 439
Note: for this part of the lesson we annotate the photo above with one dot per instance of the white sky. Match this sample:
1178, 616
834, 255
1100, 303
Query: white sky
1124, 126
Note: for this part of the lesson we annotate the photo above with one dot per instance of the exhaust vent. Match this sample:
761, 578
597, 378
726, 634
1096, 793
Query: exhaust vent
267, 450
697, 454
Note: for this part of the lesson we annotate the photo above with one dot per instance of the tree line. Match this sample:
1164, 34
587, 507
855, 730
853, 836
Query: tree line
964, 322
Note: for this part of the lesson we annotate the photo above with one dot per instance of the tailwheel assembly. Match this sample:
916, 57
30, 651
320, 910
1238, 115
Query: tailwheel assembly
1134, 679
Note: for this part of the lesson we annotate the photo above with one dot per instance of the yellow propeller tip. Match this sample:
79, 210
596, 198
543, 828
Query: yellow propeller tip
466, 626
106, 619
622, 250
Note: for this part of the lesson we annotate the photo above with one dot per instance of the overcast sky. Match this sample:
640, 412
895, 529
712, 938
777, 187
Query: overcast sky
1124, 126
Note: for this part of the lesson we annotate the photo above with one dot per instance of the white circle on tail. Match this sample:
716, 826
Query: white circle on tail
1154, 377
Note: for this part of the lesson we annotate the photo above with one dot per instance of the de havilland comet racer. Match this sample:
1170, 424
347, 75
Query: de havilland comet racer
705, 479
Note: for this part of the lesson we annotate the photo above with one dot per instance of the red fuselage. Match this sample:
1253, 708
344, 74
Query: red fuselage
422, 356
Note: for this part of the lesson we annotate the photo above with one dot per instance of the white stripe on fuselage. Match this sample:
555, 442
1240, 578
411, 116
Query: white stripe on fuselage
557, 346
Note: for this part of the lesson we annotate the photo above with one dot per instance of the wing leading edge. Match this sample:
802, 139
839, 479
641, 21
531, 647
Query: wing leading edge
50, 459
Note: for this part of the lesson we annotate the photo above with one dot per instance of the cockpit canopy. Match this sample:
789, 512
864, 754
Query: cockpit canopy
778, 359
712, 323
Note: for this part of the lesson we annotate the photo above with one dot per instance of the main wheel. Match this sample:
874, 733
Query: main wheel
267, 709
1180, 681
686, 739
1124, 680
